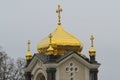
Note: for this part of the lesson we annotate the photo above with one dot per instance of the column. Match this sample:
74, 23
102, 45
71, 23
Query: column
93, 74
27, 75
51, 73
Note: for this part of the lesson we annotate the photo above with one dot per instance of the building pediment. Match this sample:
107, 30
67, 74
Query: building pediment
81, 59
35, 60
43, 59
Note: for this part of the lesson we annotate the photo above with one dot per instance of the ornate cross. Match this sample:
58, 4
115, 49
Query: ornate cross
58, 11
28, 45
91, 38
50, 36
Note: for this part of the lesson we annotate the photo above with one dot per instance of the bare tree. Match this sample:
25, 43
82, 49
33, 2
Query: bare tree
11, 69
19, 72
3, 65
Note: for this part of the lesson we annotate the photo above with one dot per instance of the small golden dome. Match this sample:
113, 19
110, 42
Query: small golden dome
61, 41
28, 55
92, 50
50, 50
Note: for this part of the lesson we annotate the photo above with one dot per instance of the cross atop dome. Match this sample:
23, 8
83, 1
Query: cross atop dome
92, 38
58, 11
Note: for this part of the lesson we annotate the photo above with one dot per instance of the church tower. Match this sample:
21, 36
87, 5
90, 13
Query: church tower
59, 57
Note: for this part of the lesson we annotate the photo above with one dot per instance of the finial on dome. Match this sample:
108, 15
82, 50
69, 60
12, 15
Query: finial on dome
28, 45
50, 48
50, 36
28, 55
92, 38
59, 16
92, 50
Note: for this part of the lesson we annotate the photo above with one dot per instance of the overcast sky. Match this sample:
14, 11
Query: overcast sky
21, 20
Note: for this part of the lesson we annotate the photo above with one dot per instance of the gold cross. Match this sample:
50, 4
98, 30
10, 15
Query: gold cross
28, 45
91, 38
58, 11
50, 36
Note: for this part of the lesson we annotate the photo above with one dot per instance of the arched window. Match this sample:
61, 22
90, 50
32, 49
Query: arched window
40, 76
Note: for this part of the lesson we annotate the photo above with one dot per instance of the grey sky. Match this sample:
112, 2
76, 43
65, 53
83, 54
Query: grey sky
21, 20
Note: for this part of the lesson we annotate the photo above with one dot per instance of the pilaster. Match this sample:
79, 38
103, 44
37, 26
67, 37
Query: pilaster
51, 73
93, 74
27, 75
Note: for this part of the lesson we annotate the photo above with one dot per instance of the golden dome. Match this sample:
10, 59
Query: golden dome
61, 42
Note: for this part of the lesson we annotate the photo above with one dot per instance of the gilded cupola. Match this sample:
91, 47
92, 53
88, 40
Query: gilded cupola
28, 55
92, 51
59, 41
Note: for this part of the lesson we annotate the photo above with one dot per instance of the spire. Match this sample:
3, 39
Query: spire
91, 38
50, 36
28, 45
92, 50
50, 48
28, 55
59, 10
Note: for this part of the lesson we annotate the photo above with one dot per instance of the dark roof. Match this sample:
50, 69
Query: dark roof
41, 57
56, 59
70, 53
